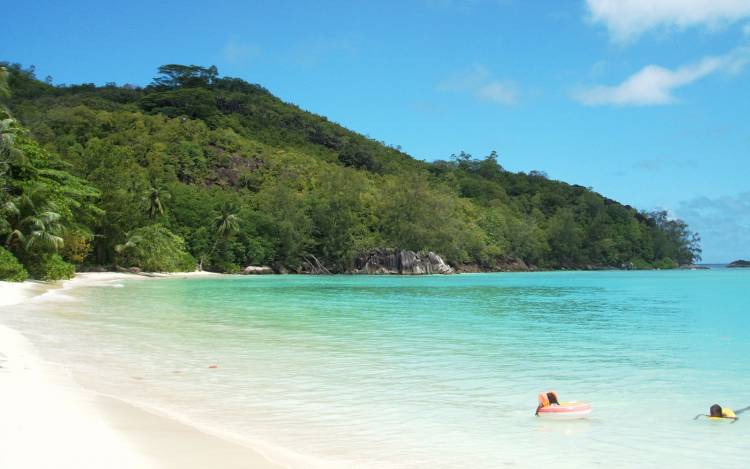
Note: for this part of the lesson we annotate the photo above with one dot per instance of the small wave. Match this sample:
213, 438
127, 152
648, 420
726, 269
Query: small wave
51, 295
106, 285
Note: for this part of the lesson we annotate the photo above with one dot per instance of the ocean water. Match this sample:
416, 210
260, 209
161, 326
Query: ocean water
424, 372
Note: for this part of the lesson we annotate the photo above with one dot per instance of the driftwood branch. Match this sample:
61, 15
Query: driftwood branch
315, 266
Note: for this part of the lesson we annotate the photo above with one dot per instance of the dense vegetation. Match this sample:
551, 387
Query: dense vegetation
200, 169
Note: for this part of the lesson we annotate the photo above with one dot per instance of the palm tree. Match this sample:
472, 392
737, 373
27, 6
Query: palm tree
225, 224
33, 222
7, 210
9, 130
153, 201
132, 245
44, 230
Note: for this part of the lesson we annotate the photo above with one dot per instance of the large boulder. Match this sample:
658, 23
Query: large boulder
400, 262
257, 270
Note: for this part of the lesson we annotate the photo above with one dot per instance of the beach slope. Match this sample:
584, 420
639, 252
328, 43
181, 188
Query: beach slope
48, 420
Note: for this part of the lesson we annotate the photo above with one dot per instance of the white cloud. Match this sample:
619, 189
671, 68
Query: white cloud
628, 19
479, 82
654, 85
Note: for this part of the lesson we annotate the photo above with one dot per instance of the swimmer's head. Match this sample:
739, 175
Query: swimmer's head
715, 411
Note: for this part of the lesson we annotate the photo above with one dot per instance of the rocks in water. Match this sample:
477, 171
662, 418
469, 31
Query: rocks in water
402, 262
257, 270
739, 263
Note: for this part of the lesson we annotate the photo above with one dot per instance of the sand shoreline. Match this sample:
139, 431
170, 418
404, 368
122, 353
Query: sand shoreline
48, 419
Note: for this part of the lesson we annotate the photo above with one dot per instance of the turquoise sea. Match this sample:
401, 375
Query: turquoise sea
424, 372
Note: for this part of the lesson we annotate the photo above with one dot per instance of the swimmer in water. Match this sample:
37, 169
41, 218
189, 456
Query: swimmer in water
718, 412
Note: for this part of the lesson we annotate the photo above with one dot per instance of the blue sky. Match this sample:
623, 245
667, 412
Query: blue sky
646, 101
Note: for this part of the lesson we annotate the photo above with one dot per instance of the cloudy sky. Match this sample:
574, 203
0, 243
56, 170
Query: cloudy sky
646, 101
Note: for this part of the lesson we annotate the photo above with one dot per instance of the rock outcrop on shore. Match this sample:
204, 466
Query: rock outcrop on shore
502, 264
401, 262
257, 270
739, 263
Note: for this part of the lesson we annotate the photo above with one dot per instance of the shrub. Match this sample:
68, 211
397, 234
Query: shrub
51, 267
154, 248
77, 245
10, 269
225, 267
640, 264
665, 263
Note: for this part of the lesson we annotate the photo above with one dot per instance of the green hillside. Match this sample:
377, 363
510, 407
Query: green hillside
198, 168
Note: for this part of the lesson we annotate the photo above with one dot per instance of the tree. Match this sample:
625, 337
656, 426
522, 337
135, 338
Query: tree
565, 238
185, 76
358, 158
4, 87
153, 200
34, 224
694, 247
226, 223
419, 216
285, 222
39, 200
489, 168
464, 160
35, 234
9, 129
673, 239
9, 152
337, 210
154, 248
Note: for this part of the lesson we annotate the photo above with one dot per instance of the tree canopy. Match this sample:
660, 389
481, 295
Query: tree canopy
185, 76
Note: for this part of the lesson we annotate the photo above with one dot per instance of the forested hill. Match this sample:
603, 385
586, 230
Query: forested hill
198, 168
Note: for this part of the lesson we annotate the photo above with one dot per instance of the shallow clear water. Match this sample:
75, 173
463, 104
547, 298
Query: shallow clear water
416, 372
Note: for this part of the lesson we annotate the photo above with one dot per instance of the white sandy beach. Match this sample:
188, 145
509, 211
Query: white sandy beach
48, 420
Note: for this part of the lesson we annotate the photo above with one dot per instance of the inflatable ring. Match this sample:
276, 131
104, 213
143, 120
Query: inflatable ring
566, 410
